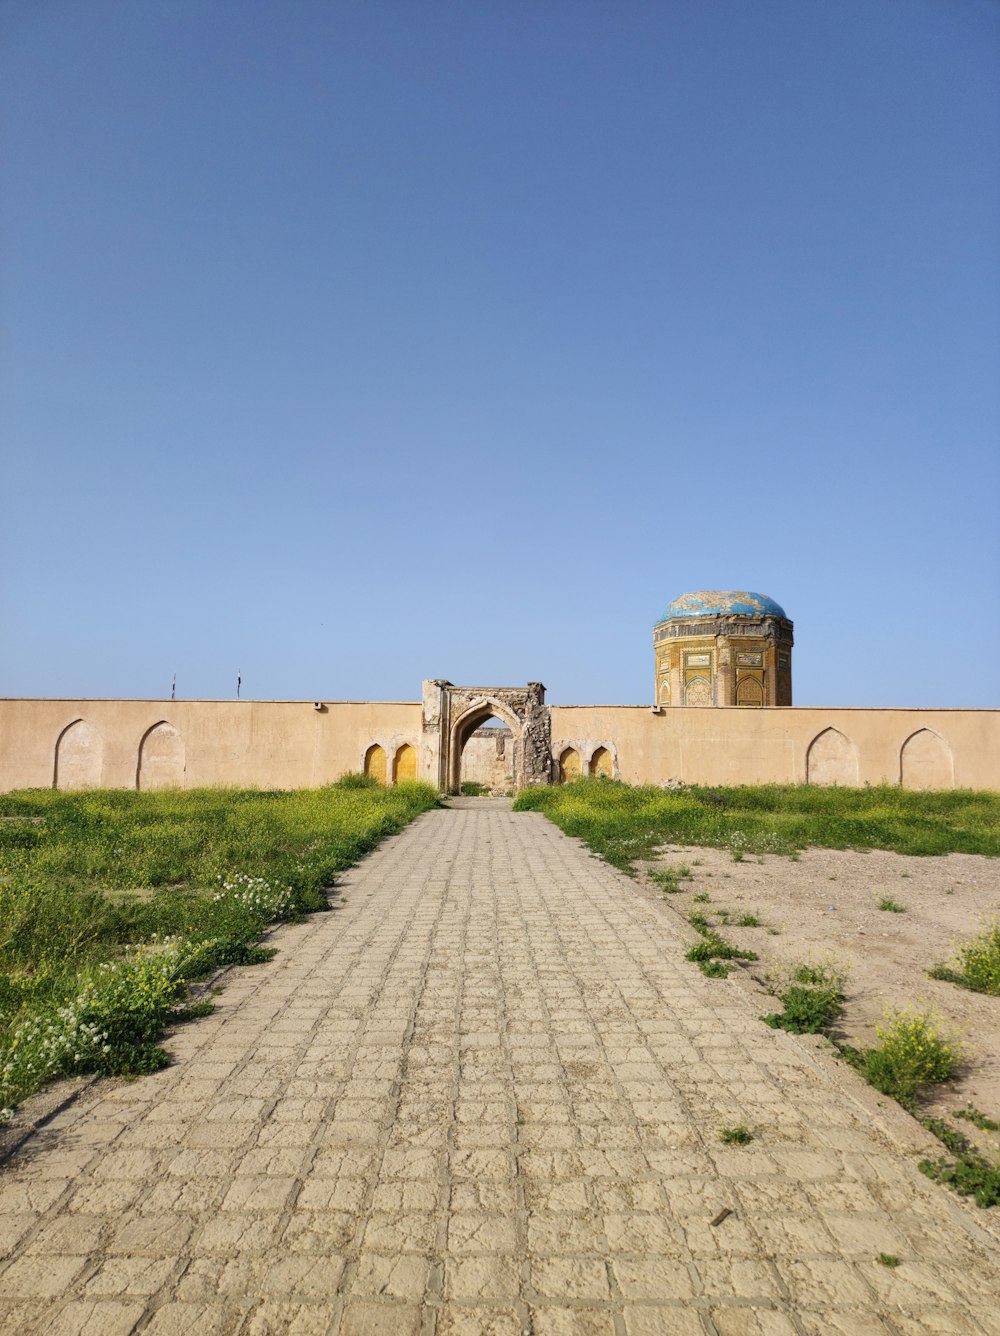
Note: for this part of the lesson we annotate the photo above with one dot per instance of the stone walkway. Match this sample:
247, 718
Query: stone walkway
482, 1096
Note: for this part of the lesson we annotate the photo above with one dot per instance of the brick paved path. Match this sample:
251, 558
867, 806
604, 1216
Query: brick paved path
481, 1096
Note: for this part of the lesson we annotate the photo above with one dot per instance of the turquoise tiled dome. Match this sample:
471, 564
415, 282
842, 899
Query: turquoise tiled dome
720, 602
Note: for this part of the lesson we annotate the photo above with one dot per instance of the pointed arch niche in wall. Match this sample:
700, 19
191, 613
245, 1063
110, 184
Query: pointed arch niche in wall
375, 763
602, 763
161, 758
405, 766
569, 765
926, 762
79, 757
832, 758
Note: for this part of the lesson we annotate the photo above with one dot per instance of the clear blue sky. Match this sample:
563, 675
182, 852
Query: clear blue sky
347, 344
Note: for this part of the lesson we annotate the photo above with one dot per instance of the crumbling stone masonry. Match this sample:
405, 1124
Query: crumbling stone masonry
452, 714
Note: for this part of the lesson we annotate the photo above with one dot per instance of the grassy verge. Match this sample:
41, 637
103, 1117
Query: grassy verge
111, 902
622, 823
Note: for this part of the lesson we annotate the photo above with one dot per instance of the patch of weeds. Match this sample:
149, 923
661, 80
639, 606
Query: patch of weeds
354, 779
700, 922
471, 788
978, 1119
891, 906
740, 1135
714, 947
817, 974
669, 878
888, 1259
948, 1136
748, 921
812, 999
192, 1011
911, 1053
702, 898
713, 969
970, 1174
976, 965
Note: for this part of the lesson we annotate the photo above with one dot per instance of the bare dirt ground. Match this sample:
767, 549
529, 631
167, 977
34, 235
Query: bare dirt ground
824, 906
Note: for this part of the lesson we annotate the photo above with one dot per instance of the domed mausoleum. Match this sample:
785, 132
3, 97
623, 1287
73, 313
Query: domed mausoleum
723, 647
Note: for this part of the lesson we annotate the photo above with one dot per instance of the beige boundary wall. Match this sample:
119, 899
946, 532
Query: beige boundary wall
149, 743
921, 748
292, 744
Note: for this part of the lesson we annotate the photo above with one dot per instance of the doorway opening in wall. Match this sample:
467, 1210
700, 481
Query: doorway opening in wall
487, 765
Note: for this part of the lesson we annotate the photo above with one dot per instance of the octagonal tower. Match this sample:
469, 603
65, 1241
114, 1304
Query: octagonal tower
723, 647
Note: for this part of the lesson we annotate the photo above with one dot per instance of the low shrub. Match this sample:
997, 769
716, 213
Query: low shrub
977, 964
911, 1053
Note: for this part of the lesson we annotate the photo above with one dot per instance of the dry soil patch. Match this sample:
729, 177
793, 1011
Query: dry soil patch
824, 905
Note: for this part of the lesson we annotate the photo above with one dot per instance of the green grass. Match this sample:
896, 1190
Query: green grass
888, 1259
111, 902
891, 906
624, 823
977, 964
